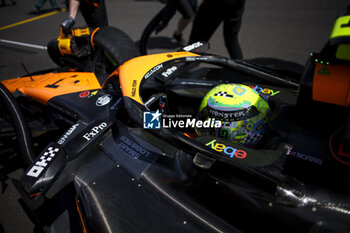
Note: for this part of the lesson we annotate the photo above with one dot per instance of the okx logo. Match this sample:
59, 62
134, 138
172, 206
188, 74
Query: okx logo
151, 120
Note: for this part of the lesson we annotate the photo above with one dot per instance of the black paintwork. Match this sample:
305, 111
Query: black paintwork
126, 179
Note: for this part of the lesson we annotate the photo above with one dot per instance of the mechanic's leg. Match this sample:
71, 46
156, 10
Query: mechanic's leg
232, 45
53, 4
231, 29
100, 15
182, 24
188, 9
232, 25
169, 12
94, 16
39, 4
207, 19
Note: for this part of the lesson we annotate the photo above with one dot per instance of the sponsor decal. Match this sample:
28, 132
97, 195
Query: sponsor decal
84, 94
95, 131
155, 120
190, 58
169, 71
103, 100
193, 46
302, 156
133, 89
343, 151
43, 162
67, 134
237, 115
87, 94
324, 71
223, 94
264, 90
196, 84
238, 90
132, 148
93, 93
228, 150
197, 59
153, 70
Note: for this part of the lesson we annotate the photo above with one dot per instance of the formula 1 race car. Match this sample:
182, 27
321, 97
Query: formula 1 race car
106, 166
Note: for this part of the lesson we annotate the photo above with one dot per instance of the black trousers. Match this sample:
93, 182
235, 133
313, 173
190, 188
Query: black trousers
187, 8
209, 16
95, 15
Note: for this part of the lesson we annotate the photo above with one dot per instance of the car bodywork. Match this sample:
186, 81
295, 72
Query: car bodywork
106, 173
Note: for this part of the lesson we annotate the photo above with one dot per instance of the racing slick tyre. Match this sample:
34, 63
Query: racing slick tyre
54, 52
9, 105
116, 43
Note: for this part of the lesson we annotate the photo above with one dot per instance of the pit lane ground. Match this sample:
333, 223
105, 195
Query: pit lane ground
287, 30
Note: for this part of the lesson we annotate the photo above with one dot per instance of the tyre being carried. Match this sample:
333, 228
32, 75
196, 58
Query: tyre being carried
96, 50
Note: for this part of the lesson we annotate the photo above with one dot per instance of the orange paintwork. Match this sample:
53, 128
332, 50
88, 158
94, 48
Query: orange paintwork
132, 72
332, 86
44, 87
81, 217
92, 37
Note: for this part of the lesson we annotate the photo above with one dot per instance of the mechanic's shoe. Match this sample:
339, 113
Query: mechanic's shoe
181, 42
36, 9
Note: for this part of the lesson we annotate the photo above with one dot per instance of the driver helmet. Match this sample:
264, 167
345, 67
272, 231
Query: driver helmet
240, 109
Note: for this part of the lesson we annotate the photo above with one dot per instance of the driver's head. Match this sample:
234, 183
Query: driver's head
241, 110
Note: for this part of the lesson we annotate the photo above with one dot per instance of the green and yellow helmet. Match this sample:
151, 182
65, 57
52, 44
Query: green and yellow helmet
242, 111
